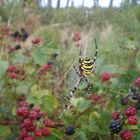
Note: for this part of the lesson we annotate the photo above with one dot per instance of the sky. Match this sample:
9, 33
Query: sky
87, 3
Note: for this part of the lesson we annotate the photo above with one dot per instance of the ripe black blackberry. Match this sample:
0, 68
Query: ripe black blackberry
135, 96
15, 34
24, 34
124, 101
70, 130
133, 89
115, 126
17, 47
31, 105
137, 106
39, 117
50, 63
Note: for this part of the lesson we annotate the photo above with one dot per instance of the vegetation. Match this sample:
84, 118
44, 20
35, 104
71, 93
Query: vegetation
38, 49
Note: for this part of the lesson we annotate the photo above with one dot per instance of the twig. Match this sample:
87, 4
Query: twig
88, 109
9, 19
112, 136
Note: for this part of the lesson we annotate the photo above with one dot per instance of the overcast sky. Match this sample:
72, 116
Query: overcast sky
88, 3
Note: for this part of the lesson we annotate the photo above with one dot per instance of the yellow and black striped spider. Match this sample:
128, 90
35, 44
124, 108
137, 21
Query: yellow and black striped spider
87, 66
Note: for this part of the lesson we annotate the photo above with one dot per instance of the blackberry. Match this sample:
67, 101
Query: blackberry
39, 117
70, 130
124, 101
137, 106
50, 63
135, 96
115, 126
133, 89
17, 47
24, 36
54, 55
31, 105
15, 34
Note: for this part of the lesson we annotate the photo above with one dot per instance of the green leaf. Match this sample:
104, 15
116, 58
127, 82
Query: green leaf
81, 104
14, 109
20, 58
112, 69
51, 45
3, 67
99, 122
4, 131
40, 56
29, 69
59, 134
1, 84
82, 136
50, 102
68, 119
36, 101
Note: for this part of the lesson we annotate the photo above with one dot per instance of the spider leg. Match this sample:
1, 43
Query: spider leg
88, 84
80, 61
69, 97
95, 56
66, 109
77, 71
94, 69
72, 92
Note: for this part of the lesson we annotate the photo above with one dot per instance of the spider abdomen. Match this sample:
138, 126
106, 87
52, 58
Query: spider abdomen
87, 66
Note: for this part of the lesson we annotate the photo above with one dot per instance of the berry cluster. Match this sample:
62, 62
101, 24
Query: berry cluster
15, 72
28, 116
44, 69
95, 98
119, 120
22, 34
133, 98
127, 117
98, 99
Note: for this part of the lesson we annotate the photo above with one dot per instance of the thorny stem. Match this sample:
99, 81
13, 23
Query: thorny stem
133, 57
88, 109
100, 138
11, 122
112, 136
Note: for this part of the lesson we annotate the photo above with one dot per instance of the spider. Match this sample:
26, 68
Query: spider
87, 67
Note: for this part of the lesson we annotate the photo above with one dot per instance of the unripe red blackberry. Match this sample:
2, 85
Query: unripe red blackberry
137, 82
38, 132
132, 120
48, 123
130, 111
105, 76
126, 135
115, 115
45, 131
